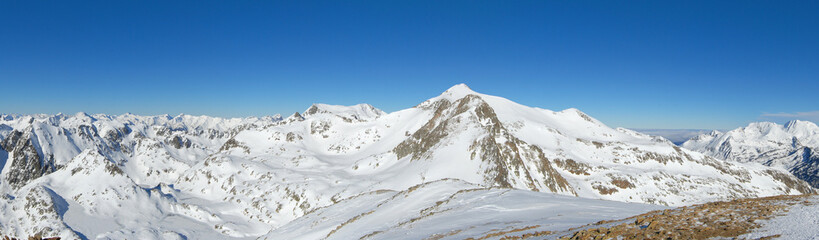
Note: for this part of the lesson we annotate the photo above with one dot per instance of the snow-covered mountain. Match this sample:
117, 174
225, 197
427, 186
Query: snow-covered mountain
195, 177
791, 146
677, 136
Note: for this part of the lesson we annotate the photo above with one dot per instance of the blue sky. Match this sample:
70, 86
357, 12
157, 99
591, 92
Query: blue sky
645, 64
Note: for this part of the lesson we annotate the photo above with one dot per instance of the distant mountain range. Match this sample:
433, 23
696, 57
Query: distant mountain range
676, 136
341, 172
791, 146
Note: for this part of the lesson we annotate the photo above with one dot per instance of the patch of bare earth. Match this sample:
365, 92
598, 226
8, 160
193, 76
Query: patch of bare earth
710, 220
35, 237
505, 234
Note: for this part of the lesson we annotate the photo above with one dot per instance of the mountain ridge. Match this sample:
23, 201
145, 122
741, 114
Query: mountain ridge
791, 146
244, 177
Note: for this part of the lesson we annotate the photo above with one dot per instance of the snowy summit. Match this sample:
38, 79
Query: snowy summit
342, 172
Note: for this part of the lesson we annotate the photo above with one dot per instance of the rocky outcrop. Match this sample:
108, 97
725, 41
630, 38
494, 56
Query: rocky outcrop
705, 221
807, 167
27, 163
504, 161
43, 213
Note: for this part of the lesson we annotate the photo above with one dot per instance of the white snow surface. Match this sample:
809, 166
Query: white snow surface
452, 209
201, 177
753, 142
799, 222
792, 147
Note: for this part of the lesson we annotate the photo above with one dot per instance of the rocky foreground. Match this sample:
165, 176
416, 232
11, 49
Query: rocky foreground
35, 237
740, 219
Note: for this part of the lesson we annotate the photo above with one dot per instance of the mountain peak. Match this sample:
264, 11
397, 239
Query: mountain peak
454, 93
84, 117
461, 87
800, 125
361, 111
761, 127
295, 117
458, 91
274, 118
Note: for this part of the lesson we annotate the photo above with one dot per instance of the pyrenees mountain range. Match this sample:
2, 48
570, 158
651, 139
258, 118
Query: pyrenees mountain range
462, 164
791, 146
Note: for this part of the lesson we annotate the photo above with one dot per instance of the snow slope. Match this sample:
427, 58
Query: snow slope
187, 176
798, 222
791, 147
451, 209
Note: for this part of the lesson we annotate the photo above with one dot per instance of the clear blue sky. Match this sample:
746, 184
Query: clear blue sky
645, 64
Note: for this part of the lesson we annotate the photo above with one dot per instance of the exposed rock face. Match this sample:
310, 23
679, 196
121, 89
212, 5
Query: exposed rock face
179, 142
510, 161
504, 160
242, 177
807, 168
422, 141
26, 162
43, 215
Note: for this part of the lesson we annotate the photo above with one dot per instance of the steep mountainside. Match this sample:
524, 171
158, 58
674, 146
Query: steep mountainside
192, 177
791, 146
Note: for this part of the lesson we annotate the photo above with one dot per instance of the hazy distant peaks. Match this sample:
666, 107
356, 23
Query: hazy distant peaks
361, 111
801, 126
